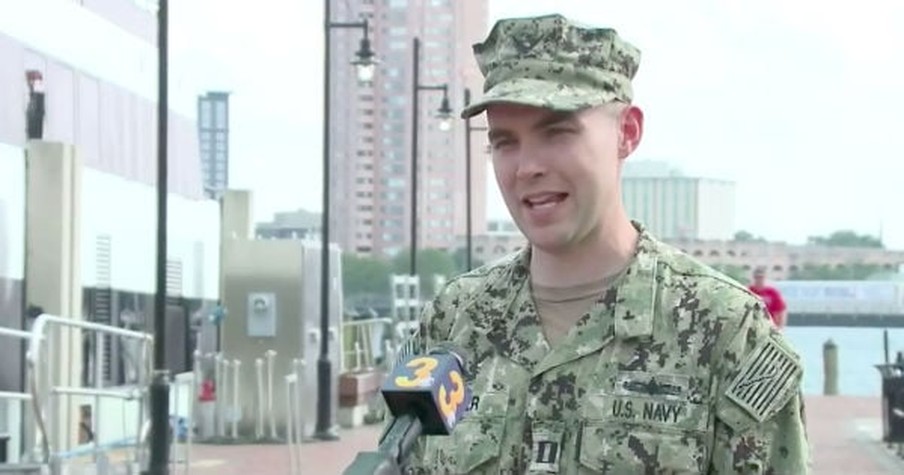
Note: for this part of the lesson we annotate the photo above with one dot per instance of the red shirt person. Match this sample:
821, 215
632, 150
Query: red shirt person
770, 296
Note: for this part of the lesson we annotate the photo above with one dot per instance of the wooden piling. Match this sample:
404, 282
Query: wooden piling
830, 368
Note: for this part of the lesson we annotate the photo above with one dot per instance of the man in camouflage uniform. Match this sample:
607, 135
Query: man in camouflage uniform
598, 348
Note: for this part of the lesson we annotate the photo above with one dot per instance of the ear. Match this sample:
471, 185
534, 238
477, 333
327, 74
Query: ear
631, 131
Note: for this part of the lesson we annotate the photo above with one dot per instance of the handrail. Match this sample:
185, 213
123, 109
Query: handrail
368, 321
14, 396
35, 339
32, 395
127, 395
357, 352
37, 332
21, 334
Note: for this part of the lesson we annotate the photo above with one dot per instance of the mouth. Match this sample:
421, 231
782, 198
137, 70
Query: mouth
543, 200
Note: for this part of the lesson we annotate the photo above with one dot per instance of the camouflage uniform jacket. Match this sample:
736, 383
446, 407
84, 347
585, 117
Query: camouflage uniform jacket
675, 370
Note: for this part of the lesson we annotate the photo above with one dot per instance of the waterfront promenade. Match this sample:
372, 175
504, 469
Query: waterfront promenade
844, 435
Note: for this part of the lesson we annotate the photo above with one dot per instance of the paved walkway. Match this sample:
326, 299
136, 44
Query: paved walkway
844, 436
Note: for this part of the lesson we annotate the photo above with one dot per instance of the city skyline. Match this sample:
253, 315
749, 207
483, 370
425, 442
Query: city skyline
771, 112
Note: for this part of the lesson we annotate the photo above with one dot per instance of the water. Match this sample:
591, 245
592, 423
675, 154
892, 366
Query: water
859, 349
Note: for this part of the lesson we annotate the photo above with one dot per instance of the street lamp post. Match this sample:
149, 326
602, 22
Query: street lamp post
444, 114
365, 64
469, 238
158, 461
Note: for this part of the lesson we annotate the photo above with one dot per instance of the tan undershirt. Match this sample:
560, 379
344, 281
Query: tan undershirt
560, 308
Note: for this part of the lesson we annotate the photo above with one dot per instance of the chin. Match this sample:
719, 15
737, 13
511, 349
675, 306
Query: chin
548, 240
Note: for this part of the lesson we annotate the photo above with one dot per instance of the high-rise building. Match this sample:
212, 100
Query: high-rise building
213, 138
371, 125
674, 206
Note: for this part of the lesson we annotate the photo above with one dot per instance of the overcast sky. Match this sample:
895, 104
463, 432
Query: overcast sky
800, 102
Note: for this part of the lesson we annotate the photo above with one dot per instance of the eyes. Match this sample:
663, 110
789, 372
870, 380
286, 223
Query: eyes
554, 133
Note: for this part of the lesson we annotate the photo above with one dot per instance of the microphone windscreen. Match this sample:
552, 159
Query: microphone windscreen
431, 387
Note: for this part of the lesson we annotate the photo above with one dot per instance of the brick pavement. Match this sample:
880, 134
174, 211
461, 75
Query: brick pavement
844, 437
329, 457
843, 431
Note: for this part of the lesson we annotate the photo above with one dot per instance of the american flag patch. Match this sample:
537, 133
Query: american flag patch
768, 378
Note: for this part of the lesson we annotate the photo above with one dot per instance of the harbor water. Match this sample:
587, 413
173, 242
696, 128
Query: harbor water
859, 350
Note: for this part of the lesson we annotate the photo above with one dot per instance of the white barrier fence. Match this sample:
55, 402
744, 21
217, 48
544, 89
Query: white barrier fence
119, 416
54, 392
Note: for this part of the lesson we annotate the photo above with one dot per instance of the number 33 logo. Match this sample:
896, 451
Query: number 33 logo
423, 370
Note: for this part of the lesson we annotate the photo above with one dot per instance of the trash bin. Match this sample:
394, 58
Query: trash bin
892, 402
4, 443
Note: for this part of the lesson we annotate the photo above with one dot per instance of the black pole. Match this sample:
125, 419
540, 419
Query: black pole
469, 235
415, 82
323, 429
159, 391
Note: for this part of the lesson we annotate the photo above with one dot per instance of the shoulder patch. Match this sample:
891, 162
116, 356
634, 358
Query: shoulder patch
767, 379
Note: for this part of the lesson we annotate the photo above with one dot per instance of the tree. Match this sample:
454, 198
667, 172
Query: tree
747, 236
828, 272
429, 263
460, 257
846, 238
364, 275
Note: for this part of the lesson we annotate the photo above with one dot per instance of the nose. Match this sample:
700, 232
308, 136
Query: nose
530, 164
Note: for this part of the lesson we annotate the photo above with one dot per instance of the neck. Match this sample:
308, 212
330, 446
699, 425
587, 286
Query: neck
604, 253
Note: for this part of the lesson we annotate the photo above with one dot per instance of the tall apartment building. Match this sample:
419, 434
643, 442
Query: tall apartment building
213, 137
674, 206
371, 125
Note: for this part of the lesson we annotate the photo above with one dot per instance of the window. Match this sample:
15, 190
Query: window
394, 182
393, 168
205, 114
221, 115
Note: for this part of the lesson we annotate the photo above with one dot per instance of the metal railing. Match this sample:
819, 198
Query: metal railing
44, 365
360, 335
184, 382
8, 398
50, 392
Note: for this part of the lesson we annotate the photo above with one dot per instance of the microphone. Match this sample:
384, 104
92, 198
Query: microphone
426, 395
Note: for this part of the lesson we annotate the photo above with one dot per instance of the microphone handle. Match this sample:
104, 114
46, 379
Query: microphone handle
373, 463
401, 437
394, 448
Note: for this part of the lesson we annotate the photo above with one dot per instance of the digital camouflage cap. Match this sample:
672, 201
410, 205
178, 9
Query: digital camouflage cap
550, 61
